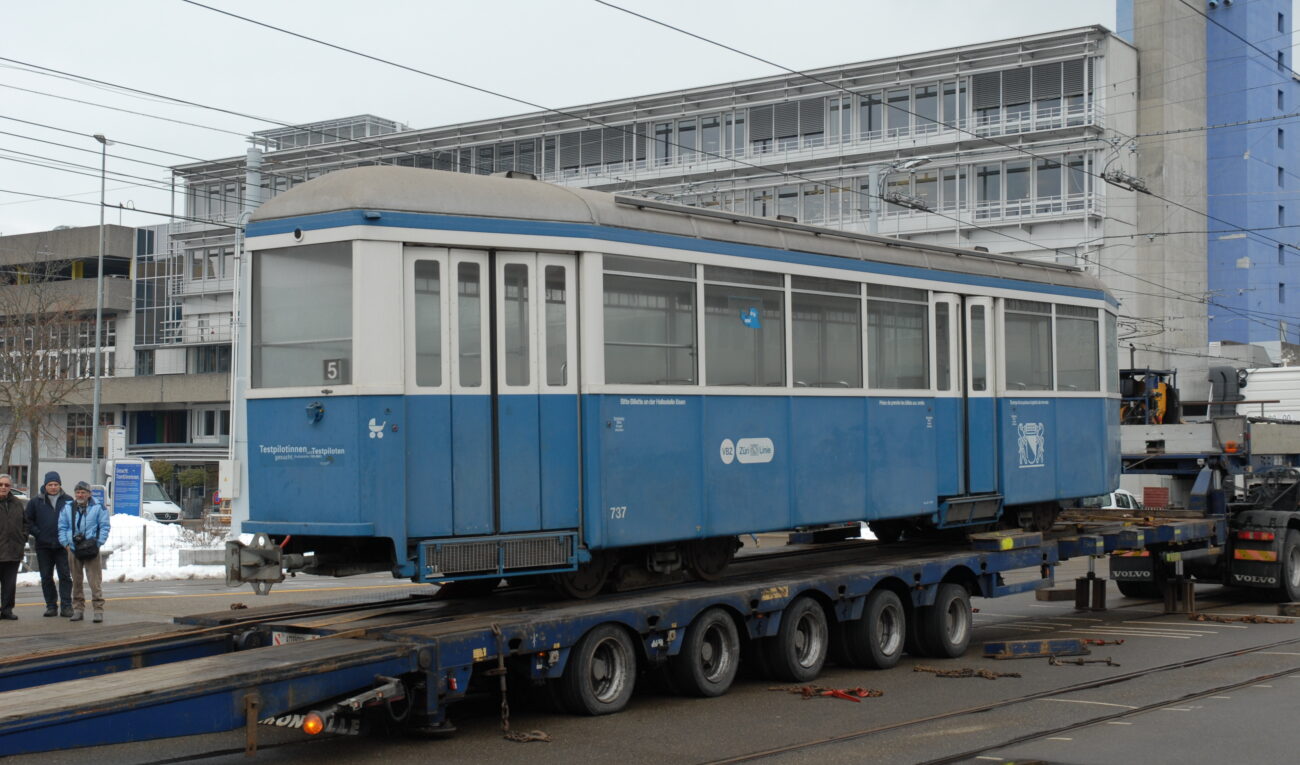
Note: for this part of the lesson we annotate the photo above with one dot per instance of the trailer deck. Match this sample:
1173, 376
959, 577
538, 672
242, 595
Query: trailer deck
230, 669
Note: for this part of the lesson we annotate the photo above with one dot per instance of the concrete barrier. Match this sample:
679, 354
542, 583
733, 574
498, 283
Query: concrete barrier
210, 557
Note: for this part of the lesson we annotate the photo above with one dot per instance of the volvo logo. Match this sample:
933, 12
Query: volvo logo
1254, 579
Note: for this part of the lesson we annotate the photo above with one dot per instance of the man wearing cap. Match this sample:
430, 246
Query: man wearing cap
84, 519
13, 543
43, 524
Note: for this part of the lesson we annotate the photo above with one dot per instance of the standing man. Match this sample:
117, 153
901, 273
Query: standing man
43, 523
13, 543
81, 523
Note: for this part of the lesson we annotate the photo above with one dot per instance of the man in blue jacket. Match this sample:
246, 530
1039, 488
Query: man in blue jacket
43, 523
81, 521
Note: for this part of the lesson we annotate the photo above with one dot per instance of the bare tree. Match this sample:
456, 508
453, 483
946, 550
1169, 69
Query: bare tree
47, 351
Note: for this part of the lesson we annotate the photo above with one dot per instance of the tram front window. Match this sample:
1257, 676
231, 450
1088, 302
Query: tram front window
302, 316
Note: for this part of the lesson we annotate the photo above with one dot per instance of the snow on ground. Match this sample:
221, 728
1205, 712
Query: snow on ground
145, 551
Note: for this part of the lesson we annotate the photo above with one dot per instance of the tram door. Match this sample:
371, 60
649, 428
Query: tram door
535, 391
981, 402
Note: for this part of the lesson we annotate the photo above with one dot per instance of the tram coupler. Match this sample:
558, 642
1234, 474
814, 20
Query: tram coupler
260, 563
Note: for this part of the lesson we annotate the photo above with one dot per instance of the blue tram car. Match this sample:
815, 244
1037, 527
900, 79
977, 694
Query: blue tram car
461, 377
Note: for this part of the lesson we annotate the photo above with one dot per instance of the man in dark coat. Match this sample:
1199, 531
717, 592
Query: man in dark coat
13, 544
43, 522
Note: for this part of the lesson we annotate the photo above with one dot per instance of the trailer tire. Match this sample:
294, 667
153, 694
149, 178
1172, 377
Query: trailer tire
601, 672
944, 629
1289, 590
875, 639
798, 650
710, 656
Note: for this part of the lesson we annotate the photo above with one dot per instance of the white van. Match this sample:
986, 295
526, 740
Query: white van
155, 505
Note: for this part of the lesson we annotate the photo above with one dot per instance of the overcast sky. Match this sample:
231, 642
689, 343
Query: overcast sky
555, 53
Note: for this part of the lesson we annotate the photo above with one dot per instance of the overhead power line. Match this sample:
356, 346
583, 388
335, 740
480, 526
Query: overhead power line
441, 78
1140, 188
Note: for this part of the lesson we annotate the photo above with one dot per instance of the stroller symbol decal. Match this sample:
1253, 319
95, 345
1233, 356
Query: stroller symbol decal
1032, 443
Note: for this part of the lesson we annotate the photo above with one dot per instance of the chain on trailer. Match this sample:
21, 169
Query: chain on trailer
500, 672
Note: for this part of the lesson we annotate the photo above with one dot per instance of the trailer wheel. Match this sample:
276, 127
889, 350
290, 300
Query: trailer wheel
601, 672
710, 655
944, 628
875, 639
798, 650
1290, 589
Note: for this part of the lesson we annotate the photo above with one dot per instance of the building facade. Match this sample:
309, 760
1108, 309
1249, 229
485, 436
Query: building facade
1001, 145
48, 294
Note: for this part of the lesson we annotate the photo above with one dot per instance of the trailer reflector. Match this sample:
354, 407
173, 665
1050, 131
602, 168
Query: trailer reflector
1258, 536
1259, 555
313, 724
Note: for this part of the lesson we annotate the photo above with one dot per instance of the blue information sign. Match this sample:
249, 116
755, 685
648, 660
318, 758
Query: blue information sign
127, 484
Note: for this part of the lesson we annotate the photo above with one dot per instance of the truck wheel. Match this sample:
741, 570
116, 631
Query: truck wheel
875, 639
601, 672
944, 628
798, 650
710, 655
1290, 589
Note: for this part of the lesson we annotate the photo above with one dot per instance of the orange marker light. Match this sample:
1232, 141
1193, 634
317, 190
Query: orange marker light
313, 724
1230, 447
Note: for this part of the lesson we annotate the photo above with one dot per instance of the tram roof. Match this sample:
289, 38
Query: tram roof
439, 192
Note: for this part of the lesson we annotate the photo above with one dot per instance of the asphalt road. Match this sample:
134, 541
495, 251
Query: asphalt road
1217, 696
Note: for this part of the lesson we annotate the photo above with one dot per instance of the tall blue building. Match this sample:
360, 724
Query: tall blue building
1254, 172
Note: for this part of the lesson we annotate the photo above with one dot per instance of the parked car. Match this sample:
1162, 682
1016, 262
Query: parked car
1120, 499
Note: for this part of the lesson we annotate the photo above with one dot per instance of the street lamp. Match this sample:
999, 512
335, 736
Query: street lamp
876, 185
104, 143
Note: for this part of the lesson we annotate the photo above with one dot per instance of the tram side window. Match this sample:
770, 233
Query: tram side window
744, 327
468, 317
1028, 345
302, 316
428, 324
649, 321
979, 375
1112, 355
827, 333
943, 347
898, 337
557, 336
1077, 359
516, 323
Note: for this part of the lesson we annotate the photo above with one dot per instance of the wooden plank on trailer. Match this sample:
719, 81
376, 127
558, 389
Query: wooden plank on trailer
1010, 539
